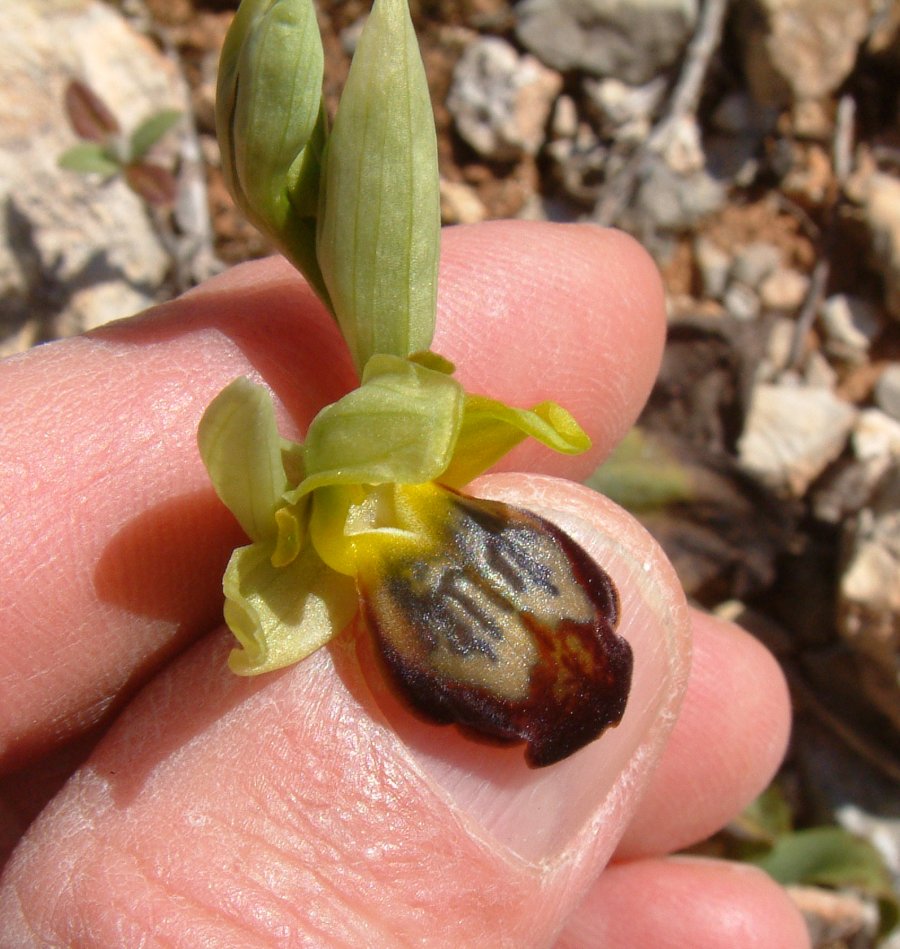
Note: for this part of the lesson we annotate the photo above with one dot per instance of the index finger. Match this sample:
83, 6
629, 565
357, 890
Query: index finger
112, 541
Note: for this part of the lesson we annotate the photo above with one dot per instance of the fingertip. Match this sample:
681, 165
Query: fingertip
678, 902
726, 746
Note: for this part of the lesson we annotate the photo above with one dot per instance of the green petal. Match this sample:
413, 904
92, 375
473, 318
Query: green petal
380, 217
271, 123
490, 429
399, 426
241, 448
282, 614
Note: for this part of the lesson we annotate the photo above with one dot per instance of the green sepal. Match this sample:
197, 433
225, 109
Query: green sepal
379, 232
242, 450
400, 426
271, 123
490, 429
282, 614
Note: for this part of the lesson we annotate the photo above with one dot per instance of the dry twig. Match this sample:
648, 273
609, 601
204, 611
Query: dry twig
682, 108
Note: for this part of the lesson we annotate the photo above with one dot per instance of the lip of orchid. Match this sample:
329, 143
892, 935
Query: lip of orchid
484, 615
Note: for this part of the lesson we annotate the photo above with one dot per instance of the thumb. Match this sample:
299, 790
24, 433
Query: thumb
304, 808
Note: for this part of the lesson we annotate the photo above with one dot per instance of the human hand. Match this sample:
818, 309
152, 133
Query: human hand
305, 807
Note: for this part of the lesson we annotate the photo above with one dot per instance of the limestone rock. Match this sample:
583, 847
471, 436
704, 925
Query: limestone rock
784, 289
460, 204
632, 40
741, 301
869, 594
882, 213
835, 918
887, 390
800, 50
73, 252
851, 325
623, 111
676, 202
754, 262
714, 264
501, 101
791, 434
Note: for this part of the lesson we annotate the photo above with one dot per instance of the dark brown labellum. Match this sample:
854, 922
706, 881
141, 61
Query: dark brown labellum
508, 631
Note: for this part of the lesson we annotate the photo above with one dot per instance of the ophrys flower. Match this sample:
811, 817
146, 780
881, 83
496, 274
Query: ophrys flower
483, 614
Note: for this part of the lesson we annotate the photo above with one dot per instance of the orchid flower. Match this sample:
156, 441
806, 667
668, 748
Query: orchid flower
482, 614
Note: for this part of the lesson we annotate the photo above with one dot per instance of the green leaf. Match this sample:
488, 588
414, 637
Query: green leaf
241, 448
641, 475
89, 158
831, 856
490, 429
380, 215
282, 614
150, 131
271, 123
399, 426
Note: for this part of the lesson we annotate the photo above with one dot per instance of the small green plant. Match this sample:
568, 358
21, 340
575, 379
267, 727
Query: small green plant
107, 151
828, 856
482, 614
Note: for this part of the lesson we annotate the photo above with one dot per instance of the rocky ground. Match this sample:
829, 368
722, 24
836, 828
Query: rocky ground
752, 146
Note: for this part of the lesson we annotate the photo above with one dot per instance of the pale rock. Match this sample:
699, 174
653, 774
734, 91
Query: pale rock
625, 111
741, 301
881, 209
784, 290
460, 204
813, 119
887, 390
876, 438
835, 918
59, 229
791, 434
875, 441
682, 146
501, 101
851, 324
779, 348
714, 265
799, 50
565, 118
633, 40
869, 594
754, 262
676, 202
818, 371
580, 162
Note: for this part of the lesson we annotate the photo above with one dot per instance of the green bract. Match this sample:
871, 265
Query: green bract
357, 210
308, 508
380, 230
